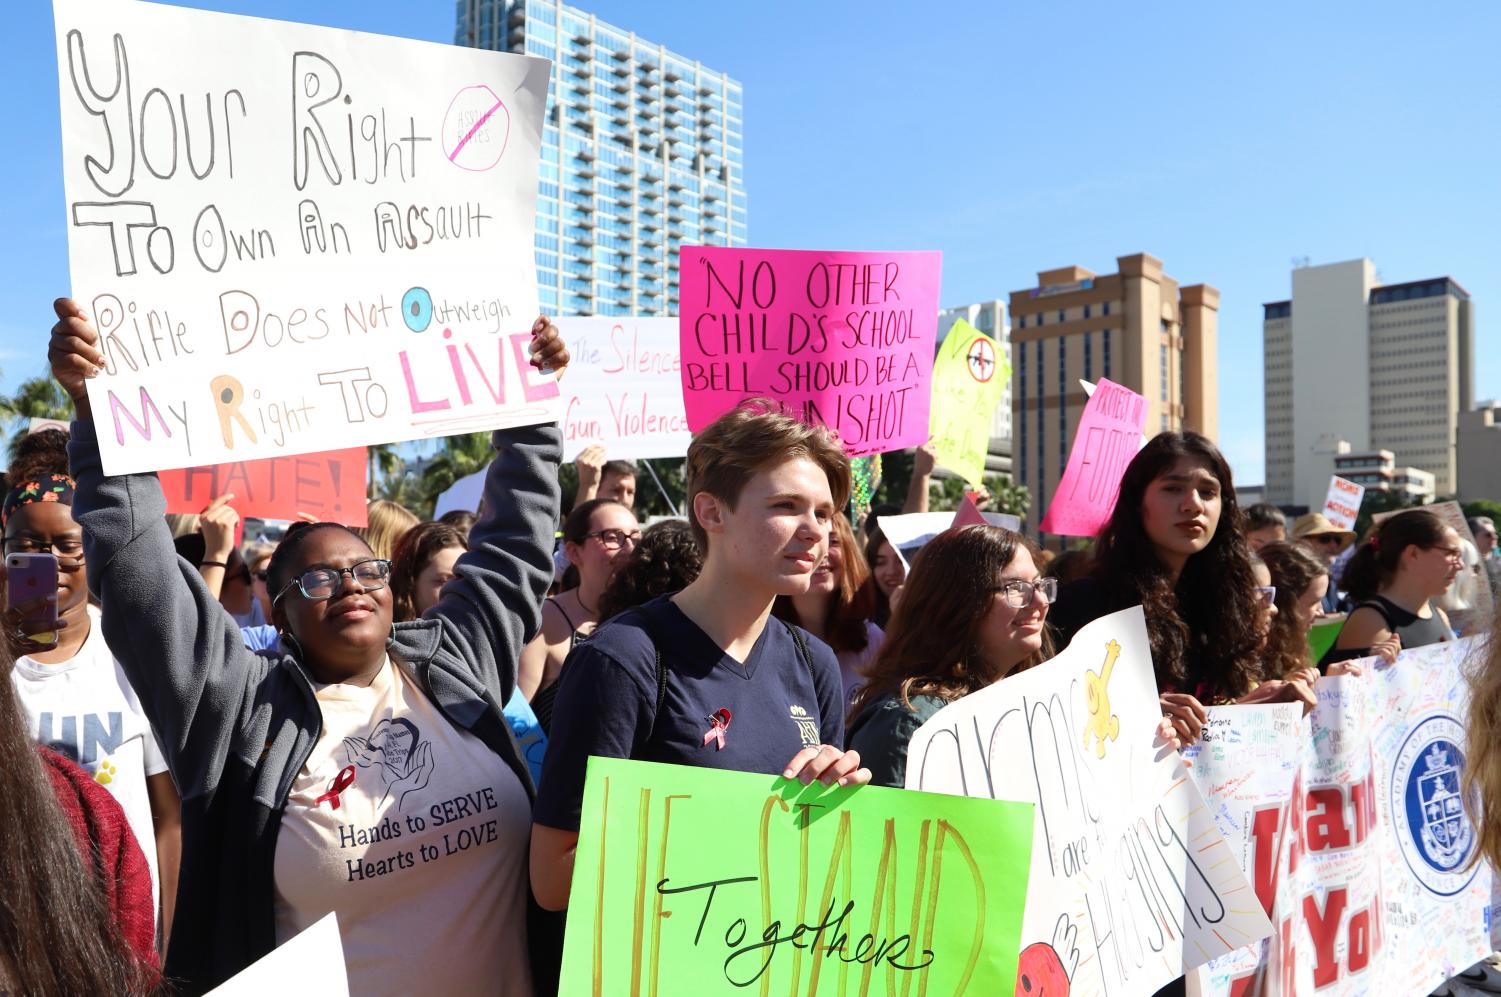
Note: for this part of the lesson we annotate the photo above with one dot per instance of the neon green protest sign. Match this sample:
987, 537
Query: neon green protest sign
705, 882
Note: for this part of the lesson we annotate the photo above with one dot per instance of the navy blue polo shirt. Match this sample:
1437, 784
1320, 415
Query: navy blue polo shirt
607, 703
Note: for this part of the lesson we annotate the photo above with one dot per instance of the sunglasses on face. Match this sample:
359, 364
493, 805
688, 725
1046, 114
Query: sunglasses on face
1267, 594
1327, 539
321, 583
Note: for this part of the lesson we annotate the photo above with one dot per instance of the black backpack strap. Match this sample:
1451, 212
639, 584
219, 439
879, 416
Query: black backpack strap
803, 654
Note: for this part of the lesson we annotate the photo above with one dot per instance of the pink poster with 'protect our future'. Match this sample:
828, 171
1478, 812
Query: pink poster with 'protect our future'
1109, 435
845, 340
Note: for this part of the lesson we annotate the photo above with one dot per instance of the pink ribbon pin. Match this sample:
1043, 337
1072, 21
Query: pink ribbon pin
721, 723
342, 781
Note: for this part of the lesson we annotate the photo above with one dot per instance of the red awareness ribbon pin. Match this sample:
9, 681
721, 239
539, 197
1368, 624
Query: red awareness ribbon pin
720, 721
343, 781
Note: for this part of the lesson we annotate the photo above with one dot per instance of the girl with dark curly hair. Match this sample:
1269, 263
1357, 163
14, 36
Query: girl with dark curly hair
1301, 582
665, 561
1174, 546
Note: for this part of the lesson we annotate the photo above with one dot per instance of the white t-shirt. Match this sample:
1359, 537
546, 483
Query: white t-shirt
417, 834
84, 708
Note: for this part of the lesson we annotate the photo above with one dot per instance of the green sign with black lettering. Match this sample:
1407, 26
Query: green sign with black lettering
700, 881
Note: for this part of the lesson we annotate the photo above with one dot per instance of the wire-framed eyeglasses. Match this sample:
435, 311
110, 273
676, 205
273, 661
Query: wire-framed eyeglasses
1020, 594
321, 583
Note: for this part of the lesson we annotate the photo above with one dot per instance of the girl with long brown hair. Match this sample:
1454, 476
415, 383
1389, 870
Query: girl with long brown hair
972, 611
838, 605
1174, 546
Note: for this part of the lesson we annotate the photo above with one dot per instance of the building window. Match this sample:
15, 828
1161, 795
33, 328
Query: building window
1021, 408
1086, 311
1105, 308
1162, 363
1062, 404
1106, 369
1061, 316
1021, 321
1088, 357
1041, 430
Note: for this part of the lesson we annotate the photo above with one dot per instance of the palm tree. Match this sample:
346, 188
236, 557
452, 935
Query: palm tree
385, 461
457, 457
35, 398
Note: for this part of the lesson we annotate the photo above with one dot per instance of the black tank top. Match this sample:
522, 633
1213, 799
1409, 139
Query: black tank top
1414, 630
542, 702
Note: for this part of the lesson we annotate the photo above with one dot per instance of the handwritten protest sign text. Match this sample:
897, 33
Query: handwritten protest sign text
844, 340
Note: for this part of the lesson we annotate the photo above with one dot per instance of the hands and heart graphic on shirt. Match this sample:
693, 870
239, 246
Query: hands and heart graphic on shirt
394, 753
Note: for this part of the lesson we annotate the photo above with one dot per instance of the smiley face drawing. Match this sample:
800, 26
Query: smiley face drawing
1040, 973
395, 753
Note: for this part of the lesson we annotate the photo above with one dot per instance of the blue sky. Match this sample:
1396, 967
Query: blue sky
1224, 139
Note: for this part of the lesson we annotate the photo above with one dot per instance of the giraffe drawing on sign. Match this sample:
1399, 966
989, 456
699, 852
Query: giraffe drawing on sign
1102, 724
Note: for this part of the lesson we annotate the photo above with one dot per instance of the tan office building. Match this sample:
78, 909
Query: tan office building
1353, 364
1479, 456
1138, 328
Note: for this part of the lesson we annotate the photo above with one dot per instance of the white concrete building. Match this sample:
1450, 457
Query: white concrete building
1354, 365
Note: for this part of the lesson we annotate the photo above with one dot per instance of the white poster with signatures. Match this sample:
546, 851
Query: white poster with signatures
1131, 883
1354, 833
295, 239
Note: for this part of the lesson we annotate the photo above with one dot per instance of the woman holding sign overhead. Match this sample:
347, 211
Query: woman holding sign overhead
365, 768
1174, 546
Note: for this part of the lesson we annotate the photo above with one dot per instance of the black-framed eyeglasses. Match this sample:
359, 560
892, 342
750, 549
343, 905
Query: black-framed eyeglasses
1267, 594
615, 539
321, 583
1020, 594
260, 576
68, 551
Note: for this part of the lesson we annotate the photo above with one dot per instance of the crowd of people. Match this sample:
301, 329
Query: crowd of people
210, 747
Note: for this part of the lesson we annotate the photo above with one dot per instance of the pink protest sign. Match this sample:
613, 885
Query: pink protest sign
840, 339
1108, 437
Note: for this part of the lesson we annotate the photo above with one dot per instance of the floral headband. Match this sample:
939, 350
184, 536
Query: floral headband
41, 488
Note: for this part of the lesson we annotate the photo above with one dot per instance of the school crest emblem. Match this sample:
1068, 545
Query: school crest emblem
1433, 829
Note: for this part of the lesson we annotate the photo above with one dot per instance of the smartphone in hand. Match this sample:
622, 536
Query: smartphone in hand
29, 580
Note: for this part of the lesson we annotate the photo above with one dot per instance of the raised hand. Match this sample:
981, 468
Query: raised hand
217, 523
73, 352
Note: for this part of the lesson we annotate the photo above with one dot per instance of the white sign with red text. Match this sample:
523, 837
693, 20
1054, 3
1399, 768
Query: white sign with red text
623, 389
1343, 504
1352, 828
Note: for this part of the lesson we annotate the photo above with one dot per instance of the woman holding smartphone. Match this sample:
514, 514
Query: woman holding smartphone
366, 767
76, 696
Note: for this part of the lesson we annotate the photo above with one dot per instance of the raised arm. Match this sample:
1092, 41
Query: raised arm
181, 651
493, 606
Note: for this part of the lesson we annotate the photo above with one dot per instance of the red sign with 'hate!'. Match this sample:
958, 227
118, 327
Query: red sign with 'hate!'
329, 486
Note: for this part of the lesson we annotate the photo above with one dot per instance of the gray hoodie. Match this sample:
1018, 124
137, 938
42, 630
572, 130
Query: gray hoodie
237, 726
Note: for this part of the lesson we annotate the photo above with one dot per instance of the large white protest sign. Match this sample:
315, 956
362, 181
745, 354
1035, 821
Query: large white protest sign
624, 388
1131, 883
1362, 846
294, 239
310, 962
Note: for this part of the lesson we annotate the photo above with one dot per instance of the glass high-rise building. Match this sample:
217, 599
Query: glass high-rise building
642, 151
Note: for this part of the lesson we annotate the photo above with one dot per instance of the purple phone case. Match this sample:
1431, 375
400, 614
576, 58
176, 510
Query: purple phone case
29, 577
